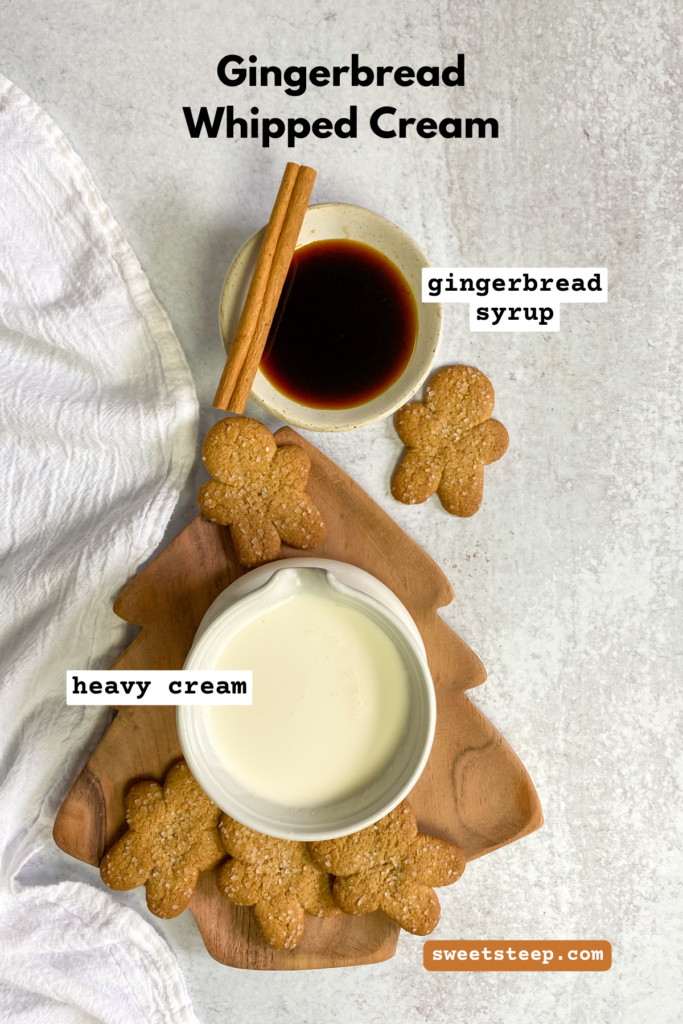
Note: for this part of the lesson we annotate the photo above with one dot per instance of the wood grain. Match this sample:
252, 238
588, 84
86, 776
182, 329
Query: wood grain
474, 790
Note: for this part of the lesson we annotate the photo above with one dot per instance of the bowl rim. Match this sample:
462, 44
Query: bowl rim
406, 392
187, 717
346, 572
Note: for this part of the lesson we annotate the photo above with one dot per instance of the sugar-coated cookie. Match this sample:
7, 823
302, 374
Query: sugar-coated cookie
392, 867
278, 878
172, 836
450, 438
258, 491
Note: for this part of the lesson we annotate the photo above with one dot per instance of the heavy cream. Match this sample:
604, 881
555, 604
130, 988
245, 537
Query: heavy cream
330, 702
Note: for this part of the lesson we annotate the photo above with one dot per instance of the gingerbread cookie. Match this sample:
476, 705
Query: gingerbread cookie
450, 439
172, 836
258, 491
391, 866
277, 878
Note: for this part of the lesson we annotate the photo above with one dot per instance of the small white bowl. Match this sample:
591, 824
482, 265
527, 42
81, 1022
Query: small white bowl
339, 220
366, 805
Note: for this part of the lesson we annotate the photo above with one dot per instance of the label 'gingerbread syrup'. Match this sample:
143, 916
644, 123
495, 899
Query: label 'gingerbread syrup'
345, 326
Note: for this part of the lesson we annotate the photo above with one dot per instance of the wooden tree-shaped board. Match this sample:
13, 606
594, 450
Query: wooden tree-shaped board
474, 790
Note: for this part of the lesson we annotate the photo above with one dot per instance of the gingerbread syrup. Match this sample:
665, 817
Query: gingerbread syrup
345, 326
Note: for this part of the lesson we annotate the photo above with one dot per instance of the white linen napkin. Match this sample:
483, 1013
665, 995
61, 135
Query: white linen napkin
98, 421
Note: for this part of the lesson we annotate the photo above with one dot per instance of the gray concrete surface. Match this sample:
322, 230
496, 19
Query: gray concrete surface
568, 580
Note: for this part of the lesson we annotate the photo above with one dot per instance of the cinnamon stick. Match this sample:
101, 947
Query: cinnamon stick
257, 288
284, 251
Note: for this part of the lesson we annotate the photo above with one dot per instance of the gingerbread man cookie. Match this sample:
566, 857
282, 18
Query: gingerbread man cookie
258, 491
391, 866
172, 836
450, 439
276, 877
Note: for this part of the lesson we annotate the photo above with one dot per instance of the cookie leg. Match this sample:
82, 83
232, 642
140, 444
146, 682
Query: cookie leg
417, 477
461, 490
281, 918
127, 864
239, 882
255, 539
316, 895
415, 907
354, 895
168, 896
435, 862
297, 520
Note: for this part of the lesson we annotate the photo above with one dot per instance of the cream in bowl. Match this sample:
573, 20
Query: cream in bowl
343, 712
351, 341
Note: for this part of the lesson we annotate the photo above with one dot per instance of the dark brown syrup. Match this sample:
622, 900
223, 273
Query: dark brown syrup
344, 329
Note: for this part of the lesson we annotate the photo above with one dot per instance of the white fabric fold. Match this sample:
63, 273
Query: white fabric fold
98, 422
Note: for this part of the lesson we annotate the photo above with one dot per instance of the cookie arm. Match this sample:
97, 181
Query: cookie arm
416, 426
214, 502
290, 468
496, 440
145, 807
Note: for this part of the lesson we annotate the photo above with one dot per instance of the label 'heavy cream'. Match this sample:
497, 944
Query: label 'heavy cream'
330, 702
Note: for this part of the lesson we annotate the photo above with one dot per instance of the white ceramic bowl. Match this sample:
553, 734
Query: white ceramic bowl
253, 596
339, 220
